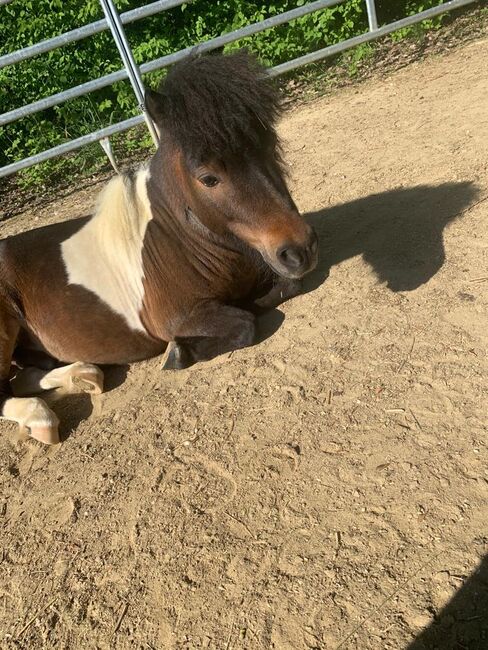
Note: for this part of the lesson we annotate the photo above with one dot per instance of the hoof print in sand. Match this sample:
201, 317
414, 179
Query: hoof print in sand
199, 484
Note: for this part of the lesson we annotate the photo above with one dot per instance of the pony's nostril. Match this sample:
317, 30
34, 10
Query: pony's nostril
291, 256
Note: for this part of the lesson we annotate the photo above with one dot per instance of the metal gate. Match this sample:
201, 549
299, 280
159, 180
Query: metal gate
132, 71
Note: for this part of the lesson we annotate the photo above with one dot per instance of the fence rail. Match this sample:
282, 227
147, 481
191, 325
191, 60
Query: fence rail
115, 23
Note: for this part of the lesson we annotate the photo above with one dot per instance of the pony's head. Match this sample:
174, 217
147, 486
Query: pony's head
216, 116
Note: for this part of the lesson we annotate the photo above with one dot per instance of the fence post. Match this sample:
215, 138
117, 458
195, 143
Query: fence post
123, 46
372, 19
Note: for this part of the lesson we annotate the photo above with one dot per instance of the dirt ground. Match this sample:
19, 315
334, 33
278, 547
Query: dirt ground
325, 489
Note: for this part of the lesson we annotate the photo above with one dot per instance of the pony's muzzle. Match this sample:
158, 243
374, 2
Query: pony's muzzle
295, 260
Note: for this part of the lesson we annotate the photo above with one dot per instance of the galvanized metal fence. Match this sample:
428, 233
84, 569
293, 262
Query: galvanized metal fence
133, 72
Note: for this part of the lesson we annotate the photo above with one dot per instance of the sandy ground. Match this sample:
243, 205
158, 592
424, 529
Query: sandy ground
325, 489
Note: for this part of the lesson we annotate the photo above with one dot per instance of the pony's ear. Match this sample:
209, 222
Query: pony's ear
155, 105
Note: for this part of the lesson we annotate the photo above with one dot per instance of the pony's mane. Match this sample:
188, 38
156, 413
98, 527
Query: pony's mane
221, 106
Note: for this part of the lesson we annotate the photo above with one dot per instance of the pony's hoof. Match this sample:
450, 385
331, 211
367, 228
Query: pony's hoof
42, 424
48, 435
174, 357
86, 378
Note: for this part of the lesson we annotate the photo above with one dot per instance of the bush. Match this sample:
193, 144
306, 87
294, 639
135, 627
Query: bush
27, 22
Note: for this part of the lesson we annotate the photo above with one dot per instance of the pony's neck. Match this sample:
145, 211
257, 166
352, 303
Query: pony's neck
167, 201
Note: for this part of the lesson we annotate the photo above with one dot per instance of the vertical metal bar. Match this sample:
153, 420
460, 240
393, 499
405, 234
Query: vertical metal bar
123, 46
372, 19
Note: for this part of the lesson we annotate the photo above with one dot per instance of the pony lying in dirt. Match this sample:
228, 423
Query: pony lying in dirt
172, 254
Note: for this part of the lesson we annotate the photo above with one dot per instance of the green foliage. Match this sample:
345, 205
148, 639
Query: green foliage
391, 11
26, 22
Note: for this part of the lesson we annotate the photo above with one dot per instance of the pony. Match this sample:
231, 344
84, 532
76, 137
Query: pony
177, 256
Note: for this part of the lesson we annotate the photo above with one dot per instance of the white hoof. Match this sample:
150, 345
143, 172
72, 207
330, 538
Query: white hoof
33, 415
85, 378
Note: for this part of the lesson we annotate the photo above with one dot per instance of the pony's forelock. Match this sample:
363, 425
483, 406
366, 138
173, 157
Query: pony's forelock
221, 106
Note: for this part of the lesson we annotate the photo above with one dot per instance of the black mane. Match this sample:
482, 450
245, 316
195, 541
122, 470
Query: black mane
221, 106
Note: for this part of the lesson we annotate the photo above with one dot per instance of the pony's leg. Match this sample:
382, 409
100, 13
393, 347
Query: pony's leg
30, 413
211, 329
77, 377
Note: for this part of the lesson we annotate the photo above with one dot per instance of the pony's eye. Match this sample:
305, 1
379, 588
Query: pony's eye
208, 180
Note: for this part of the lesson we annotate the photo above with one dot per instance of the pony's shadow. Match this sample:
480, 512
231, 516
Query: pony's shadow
72, 409
399, 232
267, 323
463, 623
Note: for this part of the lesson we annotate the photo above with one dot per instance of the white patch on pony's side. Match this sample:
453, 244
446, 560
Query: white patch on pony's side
105, 256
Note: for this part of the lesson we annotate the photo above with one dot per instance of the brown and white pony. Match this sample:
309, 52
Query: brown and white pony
172, 253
